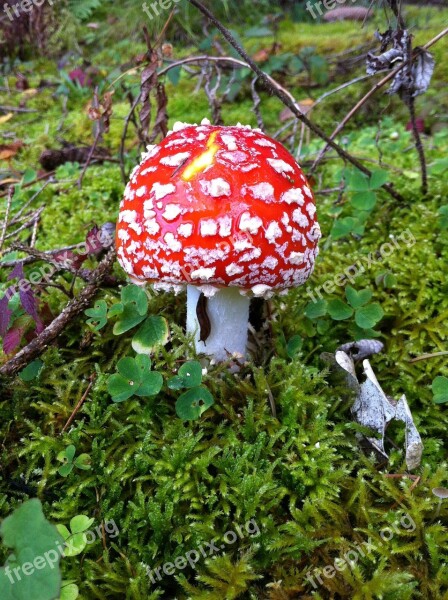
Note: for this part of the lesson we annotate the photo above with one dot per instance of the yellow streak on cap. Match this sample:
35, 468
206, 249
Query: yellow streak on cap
204, 160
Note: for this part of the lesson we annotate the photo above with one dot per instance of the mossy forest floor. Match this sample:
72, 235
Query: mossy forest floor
171, 486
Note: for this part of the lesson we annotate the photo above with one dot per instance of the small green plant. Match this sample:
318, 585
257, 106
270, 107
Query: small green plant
362, 192
134, 378
130, 312
366, 314
69, 591
197, 399
440, 390
33, 541
75, 538
67, 456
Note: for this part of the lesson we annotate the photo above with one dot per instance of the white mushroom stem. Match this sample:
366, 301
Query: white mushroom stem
228, 312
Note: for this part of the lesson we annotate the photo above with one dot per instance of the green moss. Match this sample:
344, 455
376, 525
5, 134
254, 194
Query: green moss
172, 487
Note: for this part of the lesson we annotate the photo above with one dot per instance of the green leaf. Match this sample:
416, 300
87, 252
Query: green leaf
363, 200
129, 318
154, 332
70, 452
31, 371
28, 177
63, 531
174, 75
83, 461
31, 538
368, 316
130, 369
357, 299
132, 294
339, 310
98, 315
151, 385
192, 404
190, 375
378, 179
317, 309
343, 227
294, 346
440, 389
75, 544
358, 182
439, 167
80, 523
119, 388
65, 470
69, 591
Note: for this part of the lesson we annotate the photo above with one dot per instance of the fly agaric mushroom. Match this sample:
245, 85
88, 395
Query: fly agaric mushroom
225, 211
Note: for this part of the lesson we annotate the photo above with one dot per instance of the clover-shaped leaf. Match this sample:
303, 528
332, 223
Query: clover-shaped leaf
31, 538
189, 376
134, 378
131, 310
440, 389
69, 591
98, 315
368, 316
75, 538
154, 332
317, 309
67, 457
357, 299
31, 371
294, 346
339, 310
193, 403
363, 200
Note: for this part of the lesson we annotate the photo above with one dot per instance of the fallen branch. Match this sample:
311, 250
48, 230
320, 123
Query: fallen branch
74, 308
288, 100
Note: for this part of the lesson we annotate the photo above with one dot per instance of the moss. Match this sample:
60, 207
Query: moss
172, 487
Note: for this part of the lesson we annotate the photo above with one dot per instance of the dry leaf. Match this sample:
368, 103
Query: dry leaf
373, 409
6, 118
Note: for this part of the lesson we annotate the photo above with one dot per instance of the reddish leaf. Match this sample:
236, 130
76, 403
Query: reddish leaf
5, 314
29, 303
12, 339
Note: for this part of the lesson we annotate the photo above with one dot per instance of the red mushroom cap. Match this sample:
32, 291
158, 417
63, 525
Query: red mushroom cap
218, 206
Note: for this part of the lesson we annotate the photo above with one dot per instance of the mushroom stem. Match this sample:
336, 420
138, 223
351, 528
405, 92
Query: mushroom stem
228, 312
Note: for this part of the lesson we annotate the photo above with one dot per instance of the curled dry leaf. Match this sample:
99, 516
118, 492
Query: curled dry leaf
362, 348
373, 409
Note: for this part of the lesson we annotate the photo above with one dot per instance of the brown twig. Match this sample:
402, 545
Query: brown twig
17, 110
6, 219
426, 356
80, 403
39, 344
288, 100
90, 157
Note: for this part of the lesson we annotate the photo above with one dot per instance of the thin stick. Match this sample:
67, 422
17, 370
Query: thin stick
17, 110
425, 356
89, 158
288, 100
8, 211
80, 403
